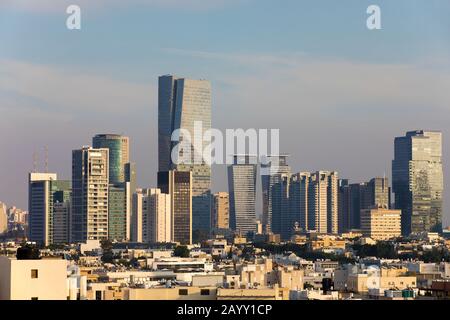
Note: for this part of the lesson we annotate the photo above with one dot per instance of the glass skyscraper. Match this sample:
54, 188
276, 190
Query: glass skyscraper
242, 190
181, 103
44, 192
118, 154
276, 167
417, 180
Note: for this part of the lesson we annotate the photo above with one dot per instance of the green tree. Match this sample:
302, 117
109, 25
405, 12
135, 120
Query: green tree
181, 251
107, 256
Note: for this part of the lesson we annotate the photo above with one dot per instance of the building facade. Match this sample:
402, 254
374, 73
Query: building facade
417, 180
160, 217
221, 211
119, 211
90, 177
118, 154
182, 104
359, 196
178, 185
43, 192
242, 191
275, 168
381, 223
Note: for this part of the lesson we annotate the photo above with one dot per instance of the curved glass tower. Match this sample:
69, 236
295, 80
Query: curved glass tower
118, 154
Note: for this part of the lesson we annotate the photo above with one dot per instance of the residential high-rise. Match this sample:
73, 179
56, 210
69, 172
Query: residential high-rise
221, 211
160, 217
381, 223
90, 177
178, 184
417, 180
139, 216
152, 216
298, 199
323, 202
242, 190
42, 188
118, 154
276, 166
183, 103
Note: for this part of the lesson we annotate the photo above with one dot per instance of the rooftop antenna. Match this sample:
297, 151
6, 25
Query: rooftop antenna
35, 159
46, 158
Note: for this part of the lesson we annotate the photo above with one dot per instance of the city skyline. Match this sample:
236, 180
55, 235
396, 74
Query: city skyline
367, 120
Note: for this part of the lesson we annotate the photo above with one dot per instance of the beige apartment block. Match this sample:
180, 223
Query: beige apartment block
176, 293
44, 279
381, 223
253, 294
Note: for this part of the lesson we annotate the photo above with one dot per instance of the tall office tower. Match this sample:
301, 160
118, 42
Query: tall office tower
221, 211
119, 211
323, 202
298, 199
118, 154
159, 217
282, 219
381, 223
182, 103
90, 176
3, 218
61, 214
276, 166
41, 191
178, 184
417, 180
242, 190
343, 206
379, 192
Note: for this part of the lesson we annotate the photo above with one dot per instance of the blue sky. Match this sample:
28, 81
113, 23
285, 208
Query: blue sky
338, 92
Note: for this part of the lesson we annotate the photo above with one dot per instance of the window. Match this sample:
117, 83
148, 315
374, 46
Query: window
98, 295
34, 273
204, 292
183, 292
34, 298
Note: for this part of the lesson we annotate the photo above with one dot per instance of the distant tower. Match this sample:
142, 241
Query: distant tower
242, 193
418, 181
90, 175
181, 103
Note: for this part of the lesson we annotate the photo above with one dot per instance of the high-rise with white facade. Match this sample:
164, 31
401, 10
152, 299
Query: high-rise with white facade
160, 217
181, 104
417, 180
90, 177
323, 202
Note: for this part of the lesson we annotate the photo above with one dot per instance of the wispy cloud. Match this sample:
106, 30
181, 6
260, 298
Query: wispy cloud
69, 90
61, 5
